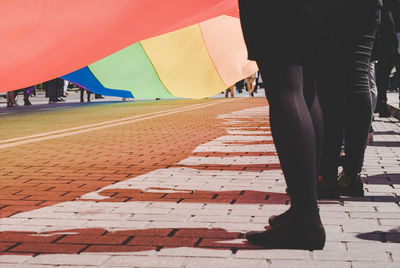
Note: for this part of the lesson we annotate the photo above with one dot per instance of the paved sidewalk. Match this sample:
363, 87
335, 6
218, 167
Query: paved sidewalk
394, 103
180, 191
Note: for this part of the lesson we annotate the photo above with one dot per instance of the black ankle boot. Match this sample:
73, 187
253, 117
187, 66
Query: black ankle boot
350, 185
300, 232
27, 102
278, 219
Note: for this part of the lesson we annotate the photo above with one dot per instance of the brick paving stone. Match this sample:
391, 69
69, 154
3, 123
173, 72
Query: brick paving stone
310, 264
273, 254
143, 261
359, 254
92, 239
231, 263
65, 259
121, 250
14, 259
47, 248
374, 264
9, 265
195, 252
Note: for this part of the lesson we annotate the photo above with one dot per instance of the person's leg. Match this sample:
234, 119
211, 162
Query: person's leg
249, 85
373, 90
82, 91
52, 94
65, 88
232, 89
312, 102
10, 98
26, 97
358, 47
88, 95
331, 95
383, 69
289, 111
372, 84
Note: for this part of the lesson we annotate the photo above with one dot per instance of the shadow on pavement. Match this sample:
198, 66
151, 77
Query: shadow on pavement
386, 133
192, 196
383, 179
385, 143
393, 236
76, 241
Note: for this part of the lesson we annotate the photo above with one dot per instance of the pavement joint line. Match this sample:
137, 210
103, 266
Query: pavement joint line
103, 125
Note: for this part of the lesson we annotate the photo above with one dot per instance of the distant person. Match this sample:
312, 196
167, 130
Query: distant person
11, 102
52, 87
27, 92
239, 86
65, 88
251, 84
82, 90
230, 89
387, 52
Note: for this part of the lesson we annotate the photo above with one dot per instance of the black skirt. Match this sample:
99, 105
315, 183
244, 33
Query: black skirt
281, 29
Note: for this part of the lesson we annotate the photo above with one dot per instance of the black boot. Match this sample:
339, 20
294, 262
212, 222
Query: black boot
27, 102
351, 185
300, 232
278, 219
327, 187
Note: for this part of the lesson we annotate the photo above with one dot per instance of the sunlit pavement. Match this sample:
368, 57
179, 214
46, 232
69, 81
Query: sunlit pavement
174, 184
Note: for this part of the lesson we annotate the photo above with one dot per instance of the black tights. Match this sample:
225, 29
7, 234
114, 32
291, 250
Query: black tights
296, 127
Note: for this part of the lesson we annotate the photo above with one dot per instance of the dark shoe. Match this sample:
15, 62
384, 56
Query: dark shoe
12, 104
60, 99
27, 102
278, 219
384, 111
327, 188
351, 185
81, 100
297, 233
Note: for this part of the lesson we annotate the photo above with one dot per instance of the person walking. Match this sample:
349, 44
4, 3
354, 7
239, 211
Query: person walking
386, 50
345, 97
11, 99
27, 92
230, 89
52, 87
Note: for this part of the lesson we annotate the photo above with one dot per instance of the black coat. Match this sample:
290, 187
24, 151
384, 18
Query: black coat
386, 43
280, 29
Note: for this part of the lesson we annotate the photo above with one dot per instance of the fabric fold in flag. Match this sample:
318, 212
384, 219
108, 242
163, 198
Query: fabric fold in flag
48, 39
